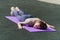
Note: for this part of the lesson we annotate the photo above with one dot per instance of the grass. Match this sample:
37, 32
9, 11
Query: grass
45, 11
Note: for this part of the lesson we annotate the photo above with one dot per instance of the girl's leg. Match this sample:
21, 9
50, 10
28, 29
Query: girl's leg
23, 17
20, 18
27, 16
20, 12
12, 10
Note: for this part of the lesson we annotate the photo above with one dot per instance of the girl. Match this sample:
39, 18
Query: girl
28, 19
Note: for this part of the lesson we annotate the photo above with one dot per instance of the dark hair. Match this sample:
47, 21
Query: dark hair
43, 25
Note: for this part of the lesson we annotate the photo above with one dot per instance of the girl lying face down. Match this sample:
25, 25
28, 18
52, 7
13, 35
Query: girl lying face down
35, 23
28, 19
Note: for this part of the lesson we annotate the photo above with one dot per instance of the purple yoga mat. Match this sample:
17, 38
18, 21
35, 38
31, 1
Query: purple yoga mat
30, 29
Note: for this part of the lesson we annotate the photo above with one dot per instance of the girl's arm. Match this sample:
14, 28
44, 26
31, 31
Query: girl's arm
20, 26
50, 26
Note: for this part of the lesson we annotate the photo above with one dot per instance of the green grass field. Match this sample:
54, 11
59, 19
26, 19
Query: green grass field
45, 11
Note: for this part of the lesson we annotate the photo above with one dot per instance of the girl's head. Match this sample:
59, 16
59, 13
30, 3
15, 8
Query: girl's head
40, 25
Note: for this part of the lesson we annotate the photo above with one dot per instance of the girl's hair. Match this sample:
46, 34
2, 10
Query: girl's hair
43, 25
